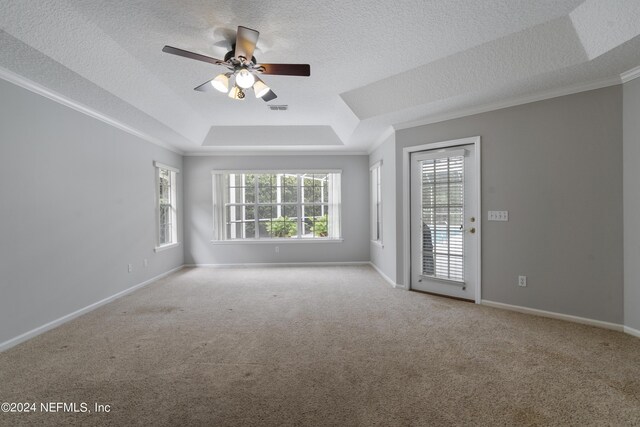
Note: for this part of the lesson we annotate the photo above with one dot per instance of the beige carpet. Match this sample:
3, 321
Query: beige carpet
319, 346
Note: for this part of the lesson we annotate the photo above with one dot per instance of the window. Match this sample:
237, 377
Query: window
276, 205
443, 216
376, 203
166, 206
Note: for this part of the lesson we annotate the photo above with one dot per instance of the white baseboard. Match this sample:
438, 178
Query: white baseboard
554, 315
631, 331
57, 322
278, 264
48, 326
385, 277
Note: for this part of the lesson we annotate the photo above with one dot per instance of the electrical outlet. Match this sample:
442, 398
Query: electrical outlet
522, 281
498, 216
130, 268
145, 263
277, 249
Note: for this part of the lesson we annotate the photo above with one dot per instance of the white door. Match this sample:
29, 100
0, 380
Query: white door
444, 222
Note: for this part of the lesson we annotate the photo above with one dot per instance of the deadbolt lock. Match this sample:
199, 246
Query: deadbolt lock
472, 219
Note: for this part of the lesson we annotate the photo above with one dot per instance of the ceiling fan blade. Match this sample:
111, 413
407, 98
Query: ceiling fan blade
205, 87
269, 96
287, 69
246, 40
192, 55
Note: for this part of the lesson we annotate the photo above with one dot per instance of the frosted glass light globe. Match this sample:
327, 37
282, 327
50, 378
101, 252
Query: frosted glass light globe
221, 83
245, 79
260, 88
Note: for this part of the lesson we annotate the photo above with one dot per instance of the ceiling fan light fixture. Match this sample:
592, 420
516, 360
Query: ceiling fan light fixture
245, 79
236, 93
241, 72
221, 83
260, 88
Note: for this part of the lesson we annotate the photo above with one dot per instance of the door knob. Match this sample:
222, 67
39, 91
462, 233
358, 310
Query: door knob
472, 230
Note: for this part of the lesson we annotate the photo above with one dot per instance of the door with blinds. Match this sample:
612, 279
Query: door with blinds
444, 222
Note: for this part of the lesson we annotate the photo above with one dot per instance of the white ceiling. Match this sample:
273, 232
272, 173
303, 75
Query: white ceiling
375, 66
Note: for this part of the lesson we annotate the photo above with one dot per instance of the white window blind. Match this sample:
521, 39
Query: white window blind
442, 217
276, 205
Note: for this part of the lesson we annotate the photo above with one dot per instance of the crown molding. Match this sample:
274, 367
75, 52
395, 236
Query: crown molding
389, 131
36, 88
631, 74
456, 114
255, 152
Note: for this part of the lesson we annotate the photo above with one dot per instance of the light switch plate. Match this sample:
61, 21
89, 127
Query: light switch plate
498, 215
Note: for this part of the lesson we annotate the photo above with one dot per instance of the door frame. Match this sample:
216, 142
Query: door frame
406, 205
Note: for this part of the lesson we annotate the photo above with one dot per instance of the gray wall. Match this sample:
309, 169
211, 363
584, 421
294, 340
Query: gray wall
385, 257
199, 212
631, 131
555, 165
78, 205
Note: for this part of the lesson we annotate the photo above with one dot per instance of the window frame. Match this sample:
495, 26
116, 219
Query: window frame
173, 188
375, 203
222, 222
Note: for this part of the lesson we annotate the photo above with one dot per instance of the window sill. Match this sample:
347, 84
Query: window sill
273, 241
377, 243
165, 247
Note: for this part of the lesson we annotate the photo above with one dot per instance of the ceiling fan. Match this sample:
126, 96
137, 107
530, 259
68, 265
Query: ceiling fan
243, 68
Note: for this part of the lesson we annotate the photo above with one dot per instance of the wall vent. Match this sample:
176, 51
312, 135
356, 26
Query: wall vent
278, 107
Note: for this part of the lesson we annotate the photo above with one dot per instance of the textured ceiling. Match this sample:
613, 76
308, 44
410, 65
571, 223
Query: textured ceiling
374, 65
